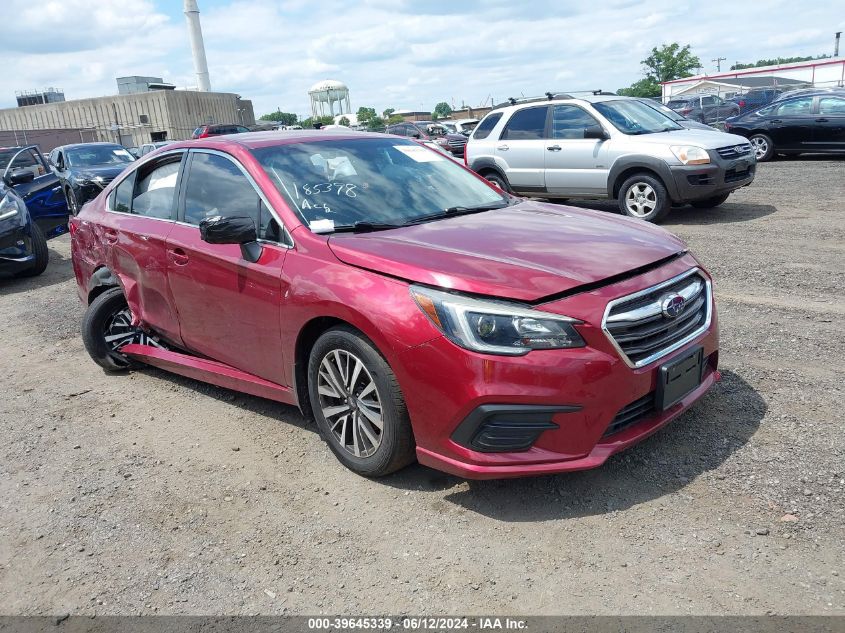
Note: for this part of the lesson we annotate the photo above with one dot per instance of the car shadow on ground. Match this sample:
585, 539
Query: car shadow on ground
696, 443
59, 269
724, 214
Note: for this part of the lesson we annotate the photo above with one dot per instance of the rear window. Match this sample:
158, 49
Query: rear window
526, 125
677, 103
483, 129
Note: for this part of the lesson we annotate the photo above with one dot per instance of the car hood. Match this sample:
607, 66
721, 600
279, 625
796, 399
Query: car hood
695, 125
706, 139
104, 171
525, 252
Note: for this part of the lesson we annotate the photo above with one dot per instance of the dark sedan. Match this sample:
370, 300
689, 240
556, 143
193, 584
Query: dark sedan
85, 169
703, 108
802, 124
23, 248
432, 132
25, 170
677, 118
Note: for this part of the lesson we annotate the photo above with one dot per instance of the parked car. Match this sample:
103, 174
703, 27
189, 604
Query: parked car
703, 108
807, 123
431, 131
204, 131
461, 126
84, 169
801, 92
755, 98
410, 307
677, 118
25, 170
23, 247
146, 148
605, 146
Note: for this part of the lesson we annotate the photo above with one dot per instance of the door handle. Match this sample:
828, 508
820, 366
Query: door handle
178, 256
553, 148
503, 148
111, 236
822, 120
776, 121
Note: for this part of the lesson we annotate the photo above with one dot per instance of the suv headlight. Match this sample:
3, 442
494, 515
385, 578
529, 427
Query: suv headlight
690, 154
8, 207
494, 327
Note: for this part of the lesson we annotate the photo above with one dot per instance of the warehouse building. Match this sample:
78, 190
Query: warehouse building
131, 119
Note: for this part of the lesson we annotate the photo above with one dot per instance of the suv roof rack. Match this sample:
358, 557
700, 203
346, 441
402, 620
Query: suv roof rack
549, 96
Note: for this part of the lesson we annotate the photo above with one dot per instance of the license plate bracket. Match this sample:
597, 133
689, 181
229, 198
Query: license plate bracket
679, 377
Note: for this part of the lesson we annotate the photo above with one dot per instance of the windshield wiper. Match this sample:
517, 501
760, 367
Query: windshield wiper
454, 211
364, 227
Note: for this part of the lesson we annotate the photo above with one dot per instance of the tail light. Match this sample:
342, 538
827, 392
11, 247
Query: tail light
686, 110
742, 103
465, 154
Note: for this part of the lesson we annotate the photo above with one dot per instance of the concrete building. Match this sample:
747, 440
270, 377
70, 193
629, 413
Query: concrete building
132, 119
821, 73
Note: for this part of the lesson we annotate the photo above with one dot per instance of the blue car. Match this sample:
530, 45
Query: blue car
25, 170
23, 247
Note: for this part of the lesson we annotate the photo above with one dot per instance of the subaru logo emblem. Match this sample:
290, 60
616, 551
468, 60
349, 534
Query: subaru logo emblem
672, 305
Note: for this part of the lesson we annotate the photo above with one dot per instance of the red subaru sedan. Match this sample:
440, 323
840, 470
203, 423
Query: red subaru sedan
411, 308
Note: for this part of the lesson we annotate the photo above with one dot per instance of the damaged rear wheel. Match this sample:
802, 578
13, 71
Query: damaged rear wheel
107, 327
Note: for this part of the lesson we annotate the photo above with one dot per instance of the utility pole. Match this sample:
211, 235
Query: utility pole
836, 45
719, 61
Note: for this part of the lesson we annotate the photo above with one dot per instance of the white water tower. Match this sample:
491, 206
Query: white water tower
325, 94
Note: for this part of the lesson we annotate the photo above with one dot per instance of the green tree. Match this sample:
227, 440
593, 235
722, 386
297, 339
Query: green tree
285, 118
441, 110
645, 87
670, 61
365, 115
393, 119
310, 121
386, 114
343, 121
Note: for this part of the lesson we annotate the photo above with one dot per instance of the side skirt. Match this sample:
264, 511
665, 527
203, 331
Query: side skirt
209, 371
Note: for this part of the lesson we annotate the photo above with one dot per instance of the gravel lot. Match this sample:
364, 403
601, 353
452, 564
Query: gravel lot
150, 493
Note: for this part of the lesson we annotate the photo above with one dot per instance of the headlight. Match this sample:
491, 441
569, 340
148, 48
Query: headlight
8, 207
690, 154
495, 327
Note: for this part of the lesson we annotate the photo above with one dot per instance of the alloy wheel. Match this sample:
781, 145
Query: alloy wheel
761, 147
640, 199
350, 403
119, 331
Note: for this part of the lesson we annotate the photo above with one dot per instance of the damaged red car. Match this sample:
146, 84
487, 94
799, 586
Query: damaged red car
412, 309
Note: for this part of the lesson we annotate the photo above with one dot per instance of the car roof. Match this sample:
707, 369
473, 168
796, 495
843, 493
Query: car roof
99, 143
255, 140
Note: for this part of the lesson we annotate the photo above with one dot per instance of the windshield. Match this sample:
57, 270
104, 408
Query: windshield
667, 111
5, 156
338, 183
98, 155
633, 117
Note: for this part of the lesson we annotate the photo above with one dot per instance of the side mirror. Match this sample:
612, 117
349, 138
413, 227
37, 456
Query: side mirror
597, 132
19, 177
415, 135
232, 230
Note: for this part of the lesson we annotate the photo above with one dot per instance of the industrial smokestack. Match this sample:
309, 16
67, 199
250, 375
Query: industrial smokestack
192, 15
836, 46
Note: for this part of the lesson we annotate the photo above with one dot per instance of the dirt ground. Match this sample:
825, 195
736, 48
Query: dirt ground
150, 493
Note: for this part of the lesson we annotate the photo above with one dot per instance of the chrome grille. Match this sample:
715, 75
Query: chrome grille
734, 151
640, 329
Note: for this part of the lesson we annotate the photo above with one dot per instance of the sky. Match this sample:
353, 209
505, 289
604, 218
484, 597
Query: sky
403, 54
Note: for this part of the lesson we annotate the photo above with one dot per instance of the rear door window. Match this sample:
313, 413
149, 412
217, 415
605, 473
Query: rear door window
799, 106
526, 125
832, 105
155, 192
483, 129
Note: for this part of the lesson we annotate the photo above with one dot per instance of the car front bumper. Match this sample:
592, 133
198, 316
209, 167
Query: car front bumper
581, 391
16, 250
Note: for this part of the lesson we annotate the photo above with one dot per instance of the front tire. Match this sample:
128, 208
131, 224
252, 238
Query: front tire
709, 203
763, 146
498, 180
72, 203
358, 405
643, 196
42, 254
106, 326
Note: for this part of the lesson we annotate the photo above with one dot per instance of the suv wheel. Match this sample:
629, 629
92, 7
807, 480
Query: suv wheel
497, 180
643, 196
763, 146
42, 254
357, 404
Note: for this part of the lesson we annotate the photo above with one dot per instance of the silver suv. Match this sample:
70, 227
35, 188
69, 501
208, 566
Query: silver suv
605, 146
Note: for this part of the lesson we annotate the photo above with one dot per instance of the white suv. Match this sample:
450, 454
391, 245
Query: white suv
605, 146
